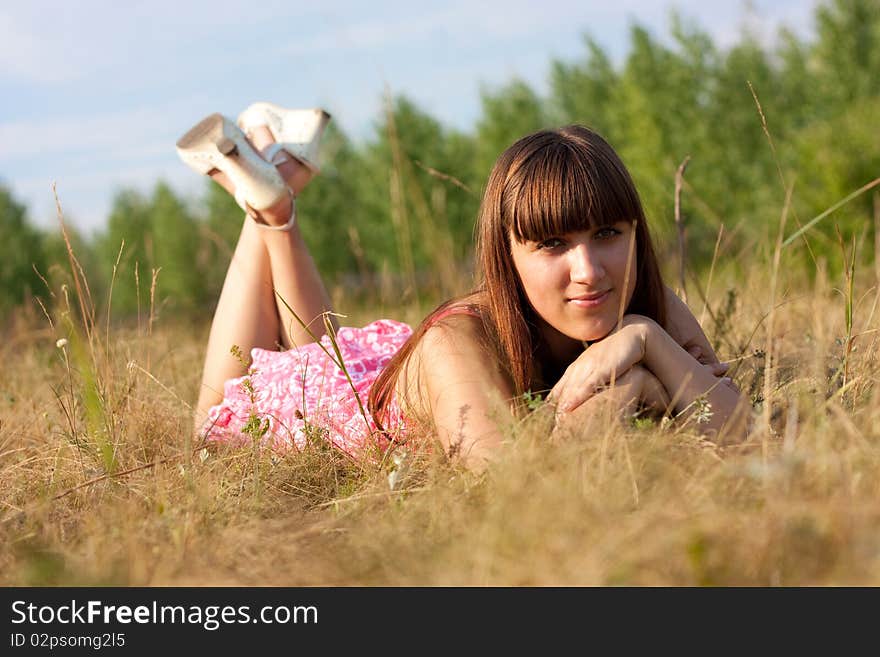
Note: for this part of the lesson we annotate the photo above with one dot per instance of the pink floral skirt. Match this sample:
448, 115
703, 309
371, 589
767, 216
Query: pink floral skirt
291, 397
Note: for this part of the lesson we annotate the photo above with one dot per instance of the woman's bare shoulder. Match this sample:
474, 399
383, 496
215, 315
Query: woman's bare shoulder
464, 392
451, 343
454, 350
446, 336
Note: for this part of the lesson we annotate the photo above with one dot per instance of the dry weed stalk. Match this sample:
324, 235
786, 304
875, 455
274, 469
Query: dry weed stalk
679, 224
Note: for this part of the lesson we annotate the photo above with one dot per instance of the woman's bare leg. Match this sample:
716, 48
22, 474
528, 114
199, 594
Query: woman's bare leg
249, 313
298, 284
245, 317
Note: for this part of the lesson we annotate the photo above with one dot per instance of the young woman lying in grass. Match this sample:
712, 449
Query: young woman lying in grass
569, 304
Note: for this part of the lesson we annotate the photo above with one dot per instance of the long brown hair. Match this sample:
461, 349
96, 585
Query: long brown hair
546, 184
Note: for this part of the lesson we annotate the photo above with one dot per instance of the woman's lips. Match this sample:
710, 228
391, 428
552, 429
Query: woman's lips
590, 300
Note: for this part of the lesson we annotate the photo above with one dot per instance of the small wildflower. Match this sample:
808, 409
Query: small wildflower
235, 350
532, 399
401, 467
61, 343
703, 413
255, 427
641, 423
392, 479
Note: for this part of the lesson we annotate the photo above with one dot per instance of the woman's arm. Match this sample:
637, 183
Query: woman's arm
469, 397
642, 341
684, 328
467, 394
637, 391
687, 381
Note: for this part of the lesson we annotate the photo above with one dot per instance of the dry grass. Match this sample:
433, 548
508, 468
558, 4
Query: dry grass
798, 504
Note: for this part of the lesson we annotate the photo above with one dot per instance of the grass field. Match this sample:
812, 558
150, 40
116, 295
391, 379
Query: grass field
102, 484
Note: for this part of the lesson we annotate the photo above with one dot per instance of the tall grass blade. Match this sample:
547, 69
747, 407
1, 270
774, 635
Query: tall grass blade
791, 238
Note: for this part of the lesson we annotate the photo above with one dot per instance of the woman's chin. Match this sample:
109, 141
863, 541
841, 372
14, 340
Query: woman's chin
576, 336
594, 333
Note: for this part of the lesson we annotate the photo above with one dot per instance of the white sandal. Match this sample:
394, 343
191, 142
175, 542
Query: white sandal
216, 142
282, 227
296, 131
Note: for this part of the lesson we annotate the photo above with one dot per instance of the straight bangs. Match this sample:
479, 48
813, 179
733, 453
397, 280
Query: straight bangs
567, 186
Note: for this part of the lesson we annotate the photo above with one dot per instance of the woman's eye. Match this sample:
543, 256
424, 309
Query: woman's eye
552, 243
606, 233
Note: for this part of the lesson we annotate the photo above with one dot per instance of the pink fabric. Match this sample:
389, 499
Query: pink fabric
302, 393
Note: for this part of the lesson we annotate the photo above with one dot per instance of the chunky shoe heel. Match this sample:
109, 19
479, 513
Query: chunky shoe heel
216, 143
296, 131
227, 147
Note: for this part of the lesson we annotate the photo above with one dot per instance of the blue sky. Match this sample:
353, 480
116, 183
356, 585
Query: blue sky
95, 93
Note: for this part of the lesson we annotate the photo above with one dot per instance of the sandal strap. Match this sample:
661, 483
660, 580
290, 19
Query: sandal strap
271, 151
289, 153
242, 200
284, 227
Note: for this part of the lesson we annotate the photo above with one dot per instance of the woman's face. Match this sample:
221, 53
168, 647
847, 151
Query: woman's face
576, 282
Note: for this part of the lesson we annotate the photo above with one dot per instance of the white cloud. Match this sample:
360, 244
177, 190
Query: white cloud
25, 55
461, 22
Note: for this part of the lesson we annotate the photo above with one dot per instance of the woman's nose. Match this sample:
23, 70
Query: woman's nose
586, 266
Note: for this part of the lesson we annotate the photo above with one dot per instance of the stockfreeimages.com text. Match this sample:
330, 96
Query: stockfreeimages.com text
210, 617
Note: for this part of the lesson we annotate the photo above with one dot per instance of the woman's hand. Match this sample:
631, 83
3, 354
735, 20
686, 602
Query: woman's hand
601, 364
641, 340
637, 392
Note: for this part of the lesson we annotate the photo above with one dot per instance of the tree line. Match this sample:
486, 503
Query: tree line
403, 203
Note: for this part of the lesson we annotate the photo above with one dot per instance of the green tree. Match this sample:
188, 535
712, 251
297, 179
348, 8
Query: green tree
795, 84
218, 228
176, 243
847, 51
641, 124
331, 211
509, 113
57, 262
581, 92
129, 240
833, 159
20, 251
411, 203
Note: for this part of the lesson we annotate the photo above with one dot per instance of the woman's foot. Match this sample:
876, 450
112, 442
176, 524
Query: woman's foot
294, 174
298, 132
263, 173
216, 144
